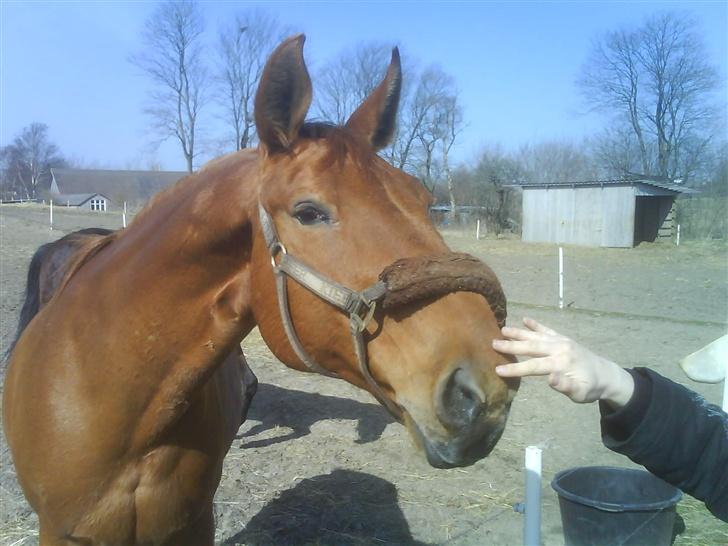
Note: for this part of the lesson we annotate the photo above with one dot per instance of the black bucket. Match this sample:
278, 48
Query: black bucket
603, 505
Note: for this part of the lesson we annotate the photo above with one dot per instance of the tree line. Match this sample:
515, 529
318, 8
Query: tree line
175, 61
651, 83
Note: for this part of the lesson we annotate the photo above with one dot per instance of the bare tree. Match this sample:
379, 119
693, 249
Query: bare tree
348, 79
617, 153
610, 81
421, 121
655, 79
558, 161
27, 161
677, 80
172, 39
452, 124
703, 216
429, 130
488, 185
426, 113
243, 47
495, 172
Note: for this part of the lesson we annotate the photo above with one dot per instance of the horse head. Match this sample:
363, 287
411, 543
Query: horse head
332, 220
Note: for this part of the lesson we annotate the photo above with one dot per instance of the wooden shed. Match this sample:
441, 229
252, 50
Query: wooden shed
607, 213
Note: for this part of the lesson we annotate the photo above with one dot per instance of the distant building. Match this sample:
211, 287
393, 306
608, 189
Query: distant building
87, 201
441, 214
104, 190
607, 213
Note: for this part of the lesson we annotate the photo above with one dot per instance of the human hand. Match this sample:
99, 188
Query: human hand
573, 370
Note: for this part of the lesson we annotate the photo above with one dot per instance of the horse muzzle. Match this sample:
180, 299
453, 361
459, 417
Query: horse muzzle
473, 423
466, 424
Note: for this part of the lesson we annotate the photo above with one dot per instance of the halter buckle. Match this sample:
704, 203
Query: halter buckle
359, 323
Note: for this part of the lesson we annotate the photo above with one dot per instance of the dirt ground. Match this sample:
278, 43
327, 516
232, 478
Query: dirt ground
319, 462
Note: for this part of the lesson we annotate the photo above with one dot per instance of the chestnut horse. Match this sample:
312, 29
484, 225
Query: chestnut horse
53, 262
118, 419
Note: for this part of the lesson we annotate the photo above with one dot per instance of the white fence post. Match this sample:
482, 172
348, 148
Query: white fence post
477, 230
677, 241
532, 521
123, 215
51, 215
561, 277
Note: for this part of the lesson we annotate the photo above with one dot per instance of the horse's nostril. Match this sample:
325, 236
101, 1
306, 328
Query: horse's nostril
462, 400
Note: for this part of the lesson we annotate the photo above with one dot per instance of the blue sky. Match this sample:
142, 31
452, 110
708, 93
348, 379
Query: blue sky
515, 63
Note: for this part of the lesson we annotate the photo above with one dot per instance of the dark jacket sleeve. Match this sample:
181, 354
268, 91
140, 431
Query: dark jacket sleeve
675, 434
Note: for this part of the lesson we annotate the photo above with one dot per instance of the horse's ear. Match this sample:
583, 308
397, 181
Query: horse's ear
376, 118
283, 96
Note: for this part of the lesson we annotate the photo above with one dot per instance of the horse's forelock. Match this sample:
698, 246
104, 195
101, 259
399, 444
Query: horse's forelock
342, 143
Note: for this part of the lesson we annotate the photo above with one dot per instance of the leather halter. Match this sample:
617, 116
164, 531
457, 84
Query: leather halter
359, 306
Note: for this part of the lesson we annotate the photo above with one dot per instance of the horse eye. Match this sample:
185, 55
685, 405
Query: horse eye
309, 214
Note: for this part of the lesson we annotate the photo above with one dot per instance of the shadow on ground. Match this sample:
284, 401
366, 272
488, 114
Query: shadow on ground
343, 507
298, 410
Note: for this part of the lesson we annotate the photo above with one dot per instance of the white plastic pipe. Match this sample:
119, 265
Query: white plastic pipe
51, 219
477, 230
123, 215
561, 277
677, 241
532, 521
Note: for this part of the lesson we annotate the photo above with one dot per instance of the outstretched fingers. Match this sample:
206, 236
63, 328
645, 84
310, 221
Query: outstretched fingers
509, 332
523, 347
538, 327
534, 366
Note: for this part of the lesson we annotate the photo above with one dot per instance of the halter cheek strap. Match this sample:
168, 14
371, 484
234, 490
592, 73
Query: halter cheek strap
358, 305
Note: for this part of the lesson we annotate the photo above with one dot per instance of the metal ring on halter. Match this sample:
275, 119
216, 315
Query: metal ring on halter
361, 323
275, 249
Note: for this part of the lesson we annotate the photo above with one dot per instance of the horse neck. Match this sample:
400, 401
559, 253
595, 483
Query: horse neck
178, 277
184, 261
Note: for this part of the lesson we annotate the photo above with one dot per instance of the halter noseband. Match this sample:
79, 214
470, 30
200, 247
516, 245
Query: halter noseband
405, 281
359, 306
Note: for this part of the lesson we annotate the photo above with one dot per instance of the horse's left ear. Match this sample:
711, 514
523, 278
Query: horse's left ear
283, 96
375, 119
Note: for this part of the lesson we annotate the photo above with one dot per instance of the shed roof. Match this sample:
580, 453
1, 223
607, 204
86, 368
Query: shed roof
118, 186
649, 181
74, 199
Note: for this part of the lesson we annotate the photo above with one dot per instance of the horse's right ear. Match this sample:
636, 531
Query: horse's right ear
283, 96
375, 119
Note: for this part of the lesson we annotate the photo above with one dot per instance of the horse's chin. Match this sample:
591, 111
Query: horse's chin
463, 449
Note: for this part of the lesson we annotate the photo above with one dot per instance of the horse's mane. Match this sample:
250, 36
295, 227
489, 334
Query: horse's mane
82, 256
32, 302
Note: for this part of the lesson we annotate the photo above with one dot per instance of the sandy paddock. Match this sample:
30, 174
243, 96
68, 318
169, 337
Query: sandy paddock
319, 462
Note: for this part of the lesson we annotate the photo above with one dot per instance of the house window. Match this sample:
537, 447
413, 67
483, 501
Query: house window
98, 204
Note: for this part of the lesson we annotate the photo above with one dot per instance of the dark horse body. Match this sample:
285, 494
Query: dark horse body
123, 392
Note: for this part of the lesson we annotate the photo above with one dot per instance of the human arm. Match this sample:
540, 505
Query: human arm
675, 434
657, 423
